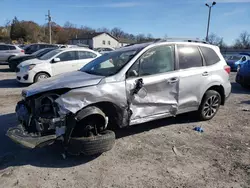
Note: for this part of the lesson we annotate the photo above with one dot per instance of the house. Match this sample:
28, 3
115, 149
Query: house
96, 40
125, 42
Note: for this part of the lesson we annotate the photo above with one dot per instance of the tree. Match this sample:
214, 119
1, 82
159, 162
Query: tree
16, 31
243, 41
216, 40
117, 32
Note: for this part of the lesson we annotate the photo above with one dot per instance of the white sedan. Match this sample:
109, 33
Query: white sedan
53, 63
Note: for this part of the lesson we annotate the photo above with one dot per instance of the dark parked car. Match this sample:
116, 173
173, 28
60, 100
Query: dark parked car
243, 74
35, 47
15, 61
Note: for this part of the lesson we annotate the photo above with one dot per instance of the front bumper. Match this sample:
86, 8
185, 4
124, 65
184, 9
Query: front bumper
25, 76
20, 136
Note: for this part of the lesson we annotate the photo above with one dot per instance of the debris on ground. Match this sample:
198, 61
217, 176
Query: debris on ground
176, 151
199, 129
246, 109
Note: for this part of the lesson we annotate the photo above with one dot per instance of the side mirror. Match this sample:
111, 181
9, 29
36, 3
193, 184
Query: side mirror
56, 60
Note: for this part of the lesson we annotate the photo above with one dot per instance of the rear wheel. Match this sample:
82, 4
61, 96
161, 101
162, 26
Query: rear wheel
210, 105
41, 76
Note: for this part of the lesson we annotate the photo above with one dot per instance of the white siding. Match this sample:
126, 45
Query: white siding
98, 41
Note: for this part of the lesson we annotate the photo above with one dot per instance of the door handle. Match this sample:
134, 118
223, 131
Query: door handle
205, 73
172, 80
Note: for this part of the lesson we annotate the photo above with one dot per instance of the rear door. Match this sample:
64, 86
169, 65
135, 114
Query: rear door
84, 57
67, 62
193, 75
159, 93
4, 52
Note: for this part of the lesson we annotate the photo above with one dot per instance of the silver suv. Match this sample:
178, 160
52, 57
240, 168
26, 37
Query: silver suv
8, 51
132, 85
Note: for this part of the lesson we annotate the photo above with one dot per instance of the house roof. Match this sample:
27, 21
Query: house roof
92, 35
126, 41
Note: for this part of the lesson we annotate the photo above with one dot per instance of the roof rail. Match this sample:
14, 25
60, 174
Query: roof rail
182, 39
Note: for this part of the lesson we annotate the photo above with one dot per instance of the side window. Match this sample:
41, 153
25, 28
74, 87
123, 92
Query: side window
189, 56
86, 55
209, 55
12, 47
67, 56
3, 47
154, 61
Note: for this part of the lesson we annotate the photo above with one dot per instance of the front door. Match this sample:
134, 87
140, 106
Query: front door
152, 85
67, 63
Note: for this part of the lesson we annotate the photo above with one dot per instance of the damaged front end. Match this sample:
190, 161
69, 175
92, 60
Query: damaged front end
40, 122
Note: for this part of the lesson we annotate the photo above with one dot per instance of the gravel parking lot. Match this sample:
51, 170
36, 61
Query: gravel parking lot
165, 153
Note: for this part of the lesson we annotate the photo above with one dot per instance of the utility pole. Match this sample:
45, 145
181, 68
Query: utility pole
49, 24
209, 14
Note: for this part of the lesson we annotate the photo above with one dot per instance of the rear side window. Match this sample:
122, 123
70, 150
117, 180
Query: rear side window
86, 55
209, 55
189, 56
12, 47
4, 47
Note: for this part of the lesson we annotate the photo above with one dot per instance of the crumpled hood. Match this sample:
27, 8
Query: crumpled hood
70, 80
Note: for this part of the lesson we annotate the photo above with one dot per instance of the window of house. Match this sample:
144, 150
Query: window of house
209, 55
189, 56
109, 43
104, 42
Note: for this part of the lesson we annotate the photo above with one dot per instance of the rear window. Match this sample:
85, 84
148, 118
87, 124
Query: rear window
12, 47
189, 56
209, 55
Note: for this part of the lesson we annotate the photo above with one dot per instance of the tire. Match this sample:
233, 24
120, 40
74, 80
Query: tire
92, 145
245, 86
210, 105
12, 67
39, 75
10, 57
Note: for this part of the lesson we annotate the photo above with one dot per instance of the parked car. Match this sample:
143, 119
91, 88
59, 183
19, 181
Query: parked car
131, 85
53, 63
35, 47
15, 61
104, 50
8, 51
236, 61
243, 74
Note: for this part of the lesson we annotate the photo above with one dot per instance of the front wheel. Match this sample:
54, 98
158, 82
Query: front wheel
210, 105
40, 77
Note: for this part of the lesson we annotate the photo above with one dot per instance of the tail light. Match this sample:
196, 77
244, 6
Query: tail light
227, 69
22, 51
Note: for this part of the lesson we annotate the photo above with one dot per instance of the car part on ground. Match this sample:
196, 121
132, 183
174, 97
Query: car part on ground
131, 85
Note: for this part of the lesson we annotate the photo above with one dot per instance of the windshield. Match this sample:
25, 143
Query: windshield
111, 63
37, 52
49, 54
236, 58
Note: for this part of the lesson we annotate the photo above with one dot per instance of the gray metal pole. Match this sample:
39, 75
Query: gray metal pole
49, 17
208, 23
